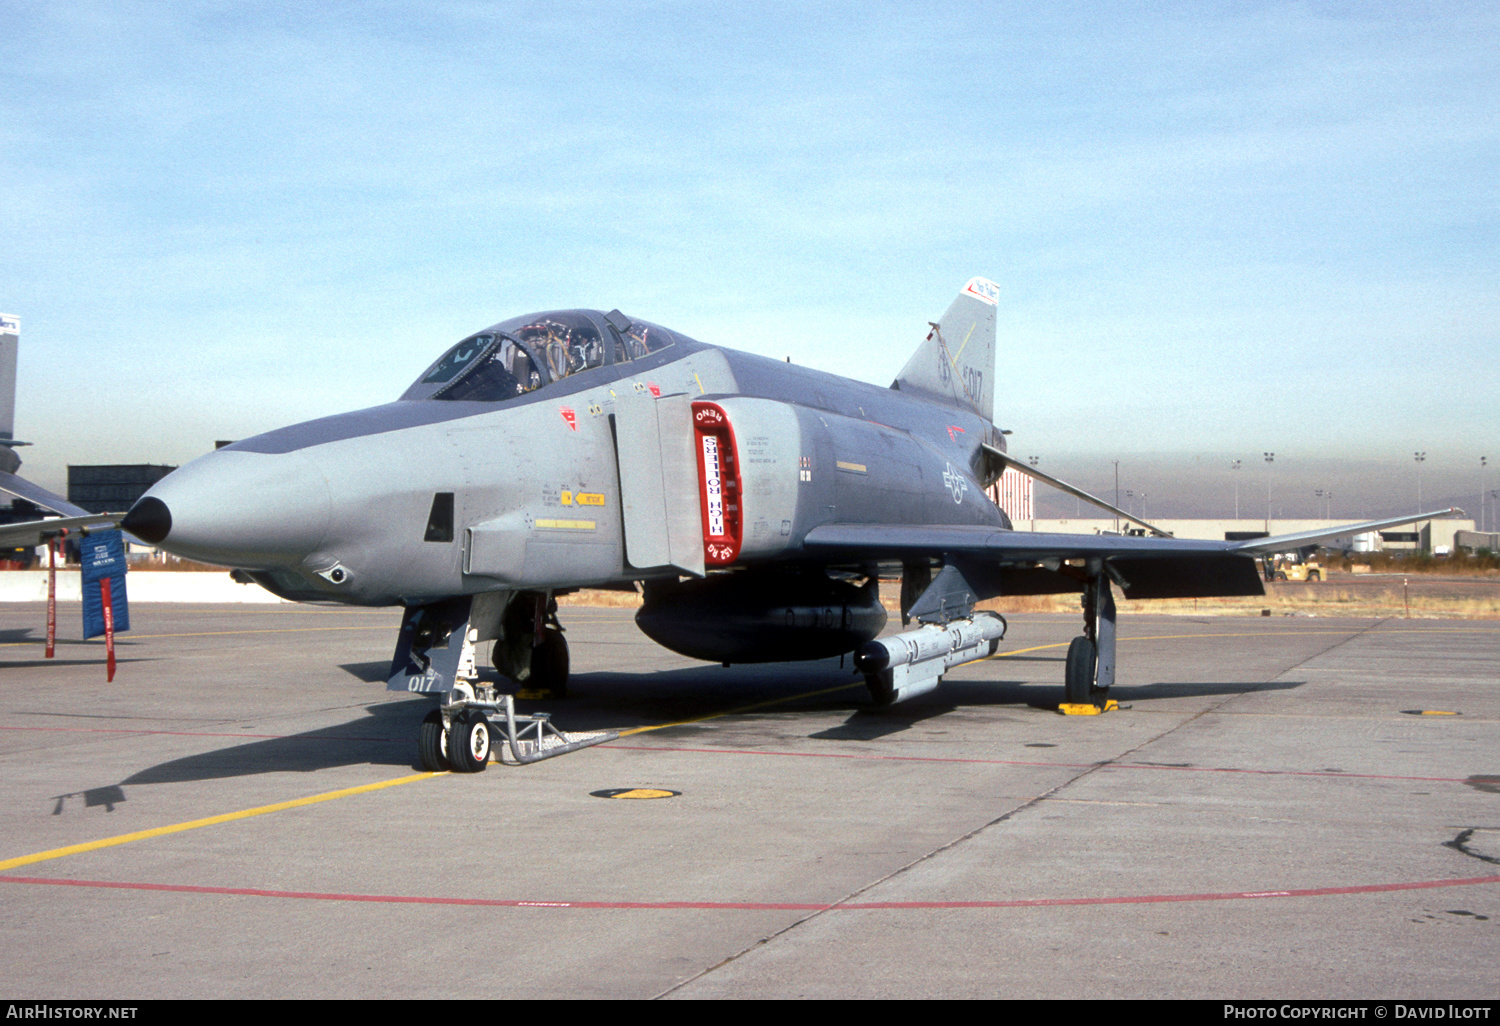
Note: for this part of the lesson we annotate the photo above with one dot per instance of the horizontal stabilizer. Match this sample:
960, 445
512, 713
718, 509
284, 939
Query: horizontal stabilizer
1078, 493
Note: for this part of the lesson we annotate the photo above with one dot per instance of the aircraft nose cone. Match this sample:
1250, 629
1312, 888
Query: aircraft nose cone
149, 520
259, 511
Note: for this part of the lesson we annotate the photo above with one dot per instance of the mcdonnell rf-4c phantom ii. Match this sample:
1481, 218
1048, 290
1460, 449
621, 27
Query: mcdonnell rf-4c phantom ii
756, 503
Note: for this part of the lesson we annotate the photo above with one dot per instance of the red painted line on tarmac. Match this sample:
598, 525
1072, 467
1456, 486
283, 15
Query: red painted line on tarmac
802, 755
1056, 765
752, 906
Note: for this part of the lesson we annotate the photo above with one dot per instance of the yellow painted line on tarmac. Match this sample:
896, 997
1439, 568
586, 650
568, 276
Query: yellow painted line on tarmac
228, 817
1264, 634
210, 634
1268, 634
1033, 648
1254, 634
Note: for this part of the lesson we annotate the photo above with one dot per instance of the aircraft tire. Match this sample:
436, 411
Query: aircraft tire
1078, 678
469, 743
549, 664
432, 744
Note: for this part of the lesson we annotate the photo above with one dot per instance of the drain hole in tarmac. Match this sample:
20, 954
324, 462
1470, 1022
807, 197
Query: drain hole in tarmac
1039, 744
635, 792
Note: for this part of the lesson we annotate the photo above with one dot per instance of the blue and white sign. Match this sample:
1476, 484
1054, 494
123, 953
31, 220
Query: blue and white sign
103, 556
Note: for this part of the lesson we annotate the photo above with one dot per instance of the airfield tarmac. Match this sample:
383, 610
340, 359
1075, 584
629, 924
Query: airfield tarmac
1268, 816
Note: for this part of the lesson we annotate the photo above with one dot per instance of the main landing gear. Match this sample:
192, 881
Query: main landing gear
549, 666
1091, 657
532, 650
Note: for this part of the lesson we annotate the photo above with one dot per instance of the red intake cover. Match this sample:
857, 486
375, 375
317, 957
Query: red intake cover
718, 484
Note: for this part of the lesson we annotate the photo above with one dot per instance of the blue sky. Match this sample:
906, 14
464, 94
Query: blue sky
1218, 229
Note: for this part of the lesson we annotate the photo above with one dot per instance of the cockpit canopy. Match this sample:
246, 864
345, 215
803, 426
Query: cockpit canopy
526, 353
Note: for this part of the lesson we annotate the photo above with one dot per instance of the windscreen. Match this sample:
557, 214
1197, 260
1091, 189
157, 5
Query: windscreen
457, 359
504, 370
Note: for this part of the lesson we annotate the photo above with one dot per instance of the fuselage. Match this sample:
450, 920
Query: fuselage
470, 484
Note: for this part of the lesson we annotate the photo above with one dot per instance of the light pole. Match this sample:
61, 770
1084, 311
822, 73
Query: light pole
1236, 466
1033, 460
1421, 458
1484, 461
1270, 459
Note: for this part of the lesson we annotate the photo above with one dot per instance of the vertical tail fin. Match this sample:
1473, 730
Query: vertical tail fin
956, 364
10, 337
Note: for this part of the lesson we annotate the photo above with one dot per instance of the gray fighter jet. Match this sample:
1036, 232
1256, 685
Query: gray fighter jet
757, 505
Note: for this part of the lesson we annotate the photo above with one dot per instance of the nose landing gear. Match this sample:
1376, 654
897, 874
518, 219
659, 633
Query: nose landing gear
435, 655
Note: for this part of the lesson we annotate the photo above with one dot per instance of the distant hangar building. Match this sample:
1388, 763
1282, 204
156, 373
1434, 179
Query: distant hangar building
112, 488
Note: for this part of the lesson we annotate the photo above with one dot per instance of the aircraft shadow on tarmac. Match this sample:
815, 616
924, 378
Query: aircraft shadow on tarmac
617, 701
1188, 689
370, 673
385, 736
31, 664
872, 724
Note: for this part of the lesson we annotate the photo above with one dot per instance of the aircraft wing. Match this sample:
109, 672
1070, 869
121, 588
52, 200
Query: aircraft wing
1287, 542
896, 540
997, 562
1001, 562
30, 533
35, 493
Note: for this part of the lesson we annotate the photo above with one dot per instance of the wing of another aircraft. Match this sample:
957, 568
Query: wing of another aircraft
35, 493
74, 518
33, 532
